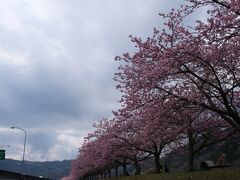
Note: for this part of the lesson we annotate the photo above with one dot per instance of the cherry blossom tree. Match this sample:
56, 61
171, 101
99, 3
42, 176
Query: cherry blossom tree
148, 129
94, 158
198, 64
122, 151
201, 129
102, 151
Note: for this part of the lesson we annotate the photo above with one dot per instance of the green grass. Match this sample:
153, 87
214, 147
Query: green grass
214, 174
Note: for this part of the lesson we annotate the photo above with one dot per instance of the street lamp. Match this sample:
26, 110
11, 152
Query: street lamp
25, 135
4, 146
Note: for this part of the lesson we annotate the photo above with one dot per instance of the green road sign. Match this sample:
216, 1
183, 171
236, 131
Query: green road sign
2, 154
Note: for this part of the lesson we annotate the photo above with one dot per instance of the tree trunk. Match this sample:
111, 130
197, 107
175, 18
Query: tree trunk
138, 168
116, 170
157, 163
109, 173
124, 169
190, 150
190, 161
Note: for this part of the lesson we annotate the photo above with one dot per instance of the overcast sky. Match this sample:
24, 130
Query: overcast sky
57, 66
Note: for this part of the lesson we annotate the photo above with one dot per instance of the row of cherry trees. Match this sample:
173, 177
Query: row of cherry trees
180, 91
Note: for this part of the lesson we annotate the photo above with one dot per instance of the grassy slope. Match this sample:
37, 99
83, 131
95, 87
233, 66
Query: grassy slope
216, 174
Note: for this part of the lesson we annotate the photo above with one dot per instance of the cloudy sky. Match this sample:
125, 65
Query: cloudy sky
57, 65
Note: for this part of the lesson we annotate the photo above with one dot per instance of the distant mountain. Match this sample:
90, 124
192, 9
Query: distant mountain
49, 169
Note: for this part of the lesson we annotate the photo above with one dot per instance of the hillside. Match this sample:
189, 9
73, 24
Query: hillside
217, 174
51, 169
230, 148
177, 161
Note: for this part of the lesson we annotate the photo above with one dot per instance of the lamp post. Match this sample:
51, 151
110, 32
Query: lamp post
4, 146
25, 135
